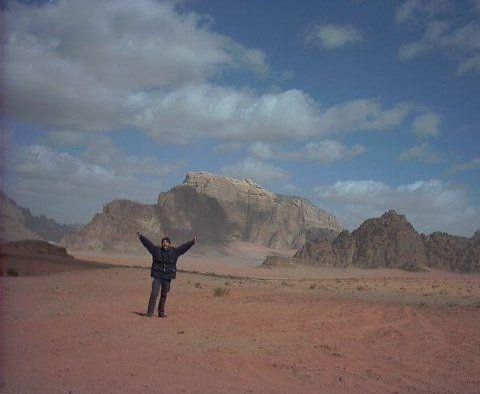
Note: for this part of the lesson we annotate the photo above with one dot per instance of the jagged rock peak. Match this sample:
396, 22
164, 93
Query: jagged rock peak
394, 216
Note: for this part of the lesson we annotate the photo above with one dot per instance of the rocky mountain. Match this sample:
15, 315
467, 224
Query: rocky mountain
391, 241
18, 223
217, 208
113, 230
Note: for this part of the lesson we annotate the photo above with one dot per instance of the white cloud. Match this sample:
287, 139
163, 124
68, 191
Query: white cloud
426, 125
73, 65
412, 9
332, 36
460, 43
324, 151
470, 64
470, 165
363, 114
256, 170
71, 188
262, 151
431, 205
104, 152
229, 114
420, 153
476, 5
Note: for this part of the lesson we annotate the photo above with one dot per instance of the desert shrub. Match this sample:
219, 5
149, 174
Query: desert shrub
313, 286
220, 291
198, 285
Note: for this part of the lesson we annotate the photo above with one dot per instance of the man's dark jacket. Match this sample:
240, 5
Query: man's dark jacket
164, 261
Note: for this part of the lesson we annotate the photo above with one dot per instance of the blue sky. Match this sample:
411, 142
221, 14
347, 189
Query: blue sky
359, 105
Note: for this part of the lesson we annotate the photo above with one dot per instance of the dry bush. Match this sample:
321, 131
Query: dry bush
220, 291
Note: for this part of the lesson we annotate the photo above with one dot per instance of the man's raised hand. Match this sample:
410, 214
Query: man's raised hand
195, 239
137, 232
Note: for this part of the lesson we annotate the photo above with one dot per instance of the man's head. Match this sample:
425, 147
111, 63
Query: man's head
165, 243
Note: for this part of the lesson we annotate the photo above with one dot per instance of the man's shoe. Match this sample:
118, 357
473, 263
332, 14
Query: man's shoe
162, 314
148, 314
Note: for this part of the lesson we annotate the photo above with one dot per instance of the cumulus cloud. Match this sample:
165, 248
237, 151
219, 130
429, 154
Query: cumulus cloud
70, 188
73, 67
79, 65
431, 205
331, 36
230, 114
420, 153
363, 114
426, 125
458, 42
256, 170
324, 151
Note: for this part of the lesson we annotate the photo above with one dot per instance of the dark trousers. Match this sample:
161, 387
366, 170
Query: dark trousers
156, 284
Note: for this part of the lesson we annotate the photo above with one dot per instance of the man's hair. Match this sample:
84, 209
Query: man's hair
166, 239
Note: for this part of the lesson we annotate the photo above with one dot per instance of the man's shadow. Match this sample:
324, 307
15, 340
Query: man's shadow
143, 314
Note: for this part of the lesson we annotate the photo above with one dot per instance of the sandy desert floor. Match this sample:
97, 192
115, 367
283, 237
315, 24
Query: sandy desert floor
305, 330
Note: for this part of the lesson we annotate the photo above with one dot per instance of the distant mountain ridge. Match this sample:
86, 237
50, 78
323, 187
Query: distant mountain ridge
219, 209
17, 223
392, 242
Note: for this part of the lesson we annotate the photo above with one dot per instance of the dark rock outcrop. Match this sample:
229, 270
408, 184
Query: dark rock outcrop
445, 251
33, 248
391, 241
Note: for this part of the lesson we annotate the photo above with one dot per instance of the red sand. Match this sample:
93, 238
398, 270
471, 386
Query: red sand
359, 331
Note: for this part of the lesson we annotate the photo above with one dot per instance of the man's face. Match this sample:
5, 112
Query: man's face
165, 244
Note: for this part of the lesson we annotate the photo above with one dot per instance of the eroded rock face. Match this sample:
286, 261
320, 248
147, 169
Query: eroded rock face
113, 230
218, 209
445, 251
391, 241
344, 246
327, 252
471, 259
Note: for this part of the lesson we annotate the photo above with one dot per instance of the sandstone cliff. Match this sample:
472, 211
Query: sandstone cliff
391, 241
113, 230
219, 209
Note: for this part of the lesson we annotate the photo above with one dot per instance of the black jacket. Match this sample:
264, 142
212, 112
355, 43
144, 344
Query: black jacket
164, 261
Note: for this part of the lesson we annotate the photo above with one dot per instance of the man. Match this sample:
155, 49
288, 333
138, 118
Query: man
164, 269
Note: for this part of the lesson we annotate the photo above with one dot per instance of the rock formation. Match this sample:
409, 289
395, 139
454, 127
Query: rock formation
445, 251
35, 258
219, 209
17, 223
33, 249
113, 230
391, 241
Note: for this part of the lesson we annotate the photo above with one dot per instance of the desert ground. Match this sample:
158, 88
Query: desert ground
285, 330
